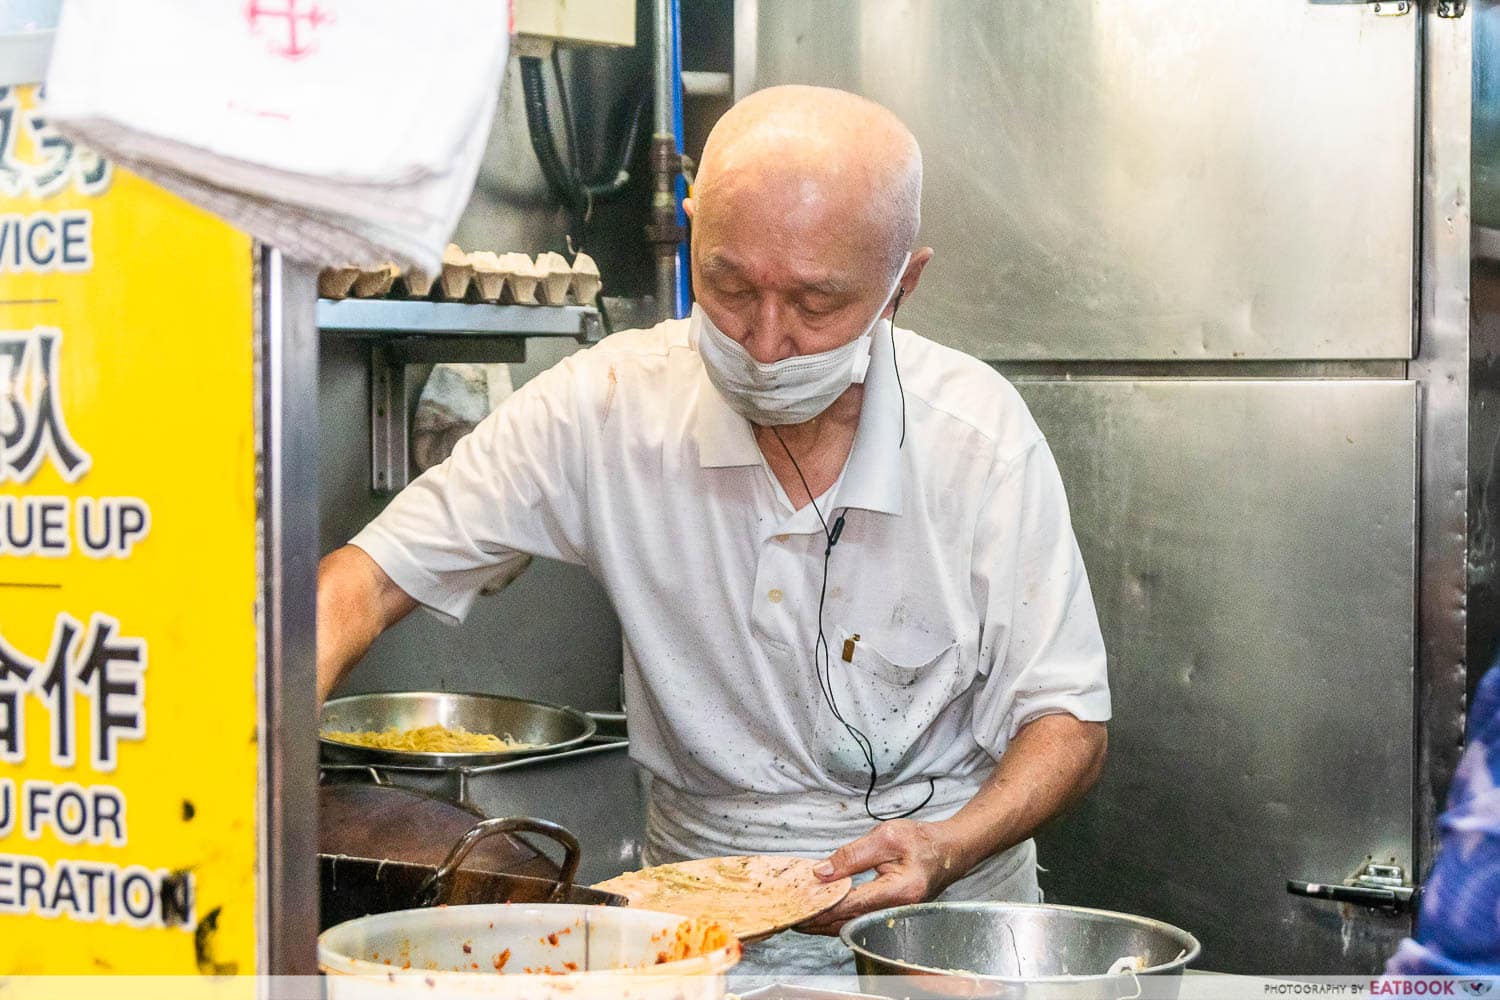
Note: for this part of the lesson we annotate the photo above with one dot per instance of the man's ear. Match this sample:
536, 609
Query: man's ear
689, 206
909, 280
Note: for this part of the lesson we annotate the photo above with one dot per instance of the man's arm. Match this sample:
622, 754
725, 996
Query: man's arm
356, 602
1050, 764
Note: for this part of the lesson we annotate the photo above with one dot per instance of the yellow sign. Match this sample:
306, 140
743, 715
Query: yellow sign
128, 594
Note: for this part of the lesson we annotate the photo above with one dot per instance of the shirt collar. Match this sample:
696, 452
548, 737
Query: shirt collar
872, 476
724, 437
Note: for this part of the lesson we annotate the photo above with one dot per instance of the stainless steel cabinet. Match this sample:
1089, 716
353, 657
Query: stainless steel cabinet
1251, 546
1142, 180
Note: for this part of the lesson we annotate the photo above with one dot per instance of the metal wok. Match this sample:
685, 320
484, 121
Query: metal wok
352, 887
542, 727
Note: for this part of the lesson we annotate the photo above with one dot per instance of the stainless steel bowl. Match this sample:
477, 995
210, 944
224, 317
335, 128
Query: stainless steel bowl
1010, 950
549, 728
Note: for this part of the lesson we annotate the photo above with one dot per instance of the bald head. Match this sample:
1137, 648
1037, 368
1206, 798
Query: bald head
806, 202
821, 148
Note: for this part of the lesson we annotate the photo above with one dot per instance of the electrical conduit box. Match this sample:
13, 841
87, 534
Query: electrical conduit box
574, 22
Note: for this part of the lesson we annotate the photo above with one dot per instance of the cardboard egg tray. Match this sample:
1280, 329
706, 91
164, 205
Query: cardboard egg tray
477, 276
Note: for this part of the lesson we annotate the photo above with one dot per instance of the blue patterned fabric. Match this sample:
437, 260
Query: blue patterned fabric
1458, 930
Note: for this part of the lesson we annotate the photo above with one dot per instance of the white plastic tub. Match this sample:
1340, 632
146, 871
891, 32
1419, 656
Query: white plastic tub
526, 952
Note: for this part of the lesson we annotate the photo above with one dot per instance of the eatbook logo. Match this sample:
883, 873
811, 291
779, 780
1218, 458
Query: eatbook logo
1477, 987
287, 25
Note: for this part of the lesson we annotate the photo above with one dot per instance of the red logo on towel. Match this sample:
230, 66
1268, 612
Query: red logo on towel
298, 18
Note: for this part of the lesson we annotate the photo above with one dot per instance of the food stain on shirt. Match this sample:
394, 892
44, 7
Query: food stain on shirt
609, 396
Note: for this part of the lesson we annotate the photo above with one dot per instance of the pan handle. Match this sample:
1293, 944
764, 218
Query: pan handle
376, 776
434, 891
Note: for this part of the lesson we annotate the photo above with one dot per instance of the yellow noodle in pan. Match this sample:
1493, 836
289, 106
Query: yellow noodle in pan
429, 739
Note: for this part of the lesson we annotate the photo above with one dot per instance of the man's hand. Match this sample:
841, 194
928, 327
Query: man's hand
913, 862
1051, 762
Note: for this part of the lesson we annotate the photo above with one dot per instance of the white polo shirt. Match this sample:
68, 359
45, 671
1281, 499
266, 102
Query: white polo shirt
956, 588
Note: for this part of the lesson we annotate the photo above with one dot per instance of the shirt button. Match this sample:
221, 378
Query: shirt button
774, 595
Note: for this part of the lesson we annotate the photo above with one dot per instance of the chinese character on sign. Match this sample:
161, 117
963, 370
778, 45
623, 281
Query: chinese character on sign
32, 428
112, 671
57, 685
15, 671
55, 161
108, 668
288, 24
65, 162
12, 173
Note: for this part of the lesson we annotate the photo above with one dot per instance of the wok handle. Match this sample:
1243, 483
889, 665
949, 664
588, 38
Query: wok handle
435, 889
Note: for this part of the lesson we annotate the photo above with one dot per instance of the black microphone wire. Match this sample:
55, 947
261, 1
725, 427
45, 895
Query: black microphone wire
900, 294
822, 658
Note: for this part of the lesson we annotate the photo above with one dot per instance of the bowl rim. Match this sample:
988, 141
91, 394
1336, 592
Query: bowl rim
446, 759
718, 961
977, 906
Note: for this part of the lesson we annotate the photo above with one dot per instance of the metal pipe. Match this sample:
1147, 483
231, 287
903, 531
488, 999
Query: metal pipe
661, 65
665, 231
681, 299
288, 438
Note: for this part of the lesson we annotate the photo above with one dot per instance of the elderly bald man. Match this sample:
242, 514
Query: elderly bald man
856, 623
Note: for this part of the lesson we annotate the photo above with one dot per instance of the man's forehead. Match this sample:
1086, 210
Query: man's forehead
783, 272
803, 234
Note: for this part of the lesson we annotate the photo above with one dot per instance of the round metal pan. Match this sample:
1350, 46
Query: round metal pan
549, 728
978, 950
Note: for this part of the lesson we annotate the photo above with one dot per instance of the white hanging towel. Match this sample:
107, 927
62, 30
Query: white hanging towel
340, 131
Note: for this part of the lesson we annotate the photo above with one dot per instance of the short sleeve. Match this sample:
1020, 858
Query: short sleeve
513, 486
1041, 652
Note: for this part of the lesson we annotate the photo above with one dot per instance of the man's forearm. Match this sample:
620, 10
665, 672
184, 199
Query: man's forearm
1050, 764
356, 602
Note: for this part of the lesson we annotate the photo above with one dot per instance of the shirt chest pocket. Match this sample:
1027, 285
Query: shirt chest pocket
892, 699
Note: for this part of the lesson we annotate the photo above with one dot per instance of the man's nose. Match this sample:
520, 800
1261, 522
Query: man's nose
767, 340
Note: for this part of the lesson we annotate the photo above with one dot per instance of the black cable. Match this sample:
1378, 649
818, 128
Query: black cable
627, 155
570, 128
583, 196
569, 187
900, 294
822, 668
539, 128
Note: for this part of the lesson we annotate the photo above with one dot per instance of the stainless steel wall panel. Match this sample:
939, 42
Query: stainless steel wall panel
1251, 546
1145, 180
1452, 410
1483, 536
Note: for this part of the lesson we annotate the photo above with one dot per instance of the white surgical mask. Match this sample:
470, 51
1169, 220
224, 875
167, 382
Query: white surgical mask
792, 390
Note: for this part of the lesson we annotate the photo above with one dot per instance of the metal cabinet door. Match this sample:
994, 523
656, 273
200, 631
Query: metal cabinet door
1251, 548
1152, 179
